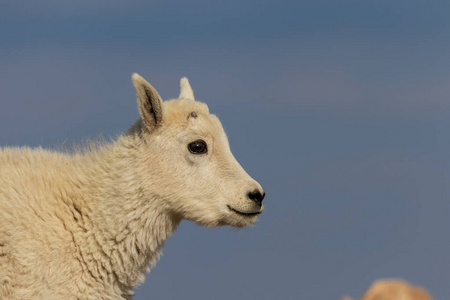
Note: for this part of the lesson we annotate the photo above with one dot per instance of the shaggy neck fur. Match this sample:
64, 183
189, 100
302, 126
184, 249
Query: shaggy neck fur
124, 226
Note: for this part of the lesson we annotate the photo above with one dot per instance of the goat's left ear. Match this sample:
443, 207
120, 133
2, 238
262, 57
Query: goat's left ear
186, 91
149, 103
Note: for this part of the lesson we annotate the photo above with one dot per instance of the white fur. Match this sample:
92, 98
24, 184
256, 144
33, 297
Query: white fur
88, 225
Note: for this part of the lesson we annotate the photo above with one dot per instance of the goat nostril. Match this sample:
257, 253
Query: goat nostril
256, 196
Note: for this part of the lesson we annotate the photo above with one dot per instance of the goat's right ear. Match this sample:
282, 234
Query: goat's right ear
149, 103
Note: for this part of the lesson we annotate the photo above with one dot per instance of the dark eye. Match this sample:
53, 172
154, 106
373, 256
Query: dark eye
198, 147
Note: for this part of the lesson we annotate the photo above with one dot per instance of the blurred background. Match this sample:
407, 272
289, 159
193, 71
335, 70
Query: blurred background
340, 109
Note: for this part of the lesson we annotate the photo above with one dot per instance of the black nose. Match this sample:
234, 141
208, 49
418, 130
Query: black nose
256, 196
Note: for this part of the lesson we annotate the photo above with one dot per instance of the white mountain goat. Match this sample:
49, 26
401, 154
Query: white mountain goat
88, 225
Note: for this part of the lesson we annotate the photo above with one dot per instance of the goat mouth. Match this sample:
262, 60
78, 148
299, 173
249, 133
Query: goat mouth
244, 213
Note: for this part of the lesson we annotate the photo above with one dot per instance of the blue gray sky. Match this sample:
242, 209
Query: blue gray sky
340, 109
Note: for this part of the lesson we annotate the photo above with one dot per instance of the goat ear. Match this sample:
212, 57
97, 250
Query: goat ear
149, 103
186, 91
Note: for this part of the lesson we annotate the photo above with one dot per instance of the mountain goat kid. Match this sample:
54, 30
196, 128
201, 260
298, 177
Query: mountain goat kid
88, 225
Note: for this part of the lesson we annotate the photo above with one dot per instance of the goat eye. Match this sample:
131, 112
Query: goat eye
198, 147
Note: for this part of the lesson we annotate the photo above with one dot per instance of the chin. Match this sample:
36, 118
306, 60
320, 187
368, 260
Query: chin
242, 221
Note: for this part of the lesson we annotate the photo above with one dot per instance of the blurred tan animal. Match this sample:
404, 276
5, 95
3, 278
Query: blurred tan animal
394, 289
88, 225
